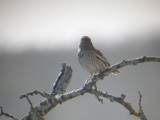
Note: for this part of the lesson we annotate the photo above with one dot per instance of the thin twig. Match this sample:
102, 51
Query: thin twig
140, 101
6, 114
29, 101
140, 112
36, 92
96, 95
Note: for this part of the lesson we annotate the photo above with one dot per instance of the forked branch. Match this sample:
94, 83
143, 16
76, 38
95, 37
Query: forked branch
58, 95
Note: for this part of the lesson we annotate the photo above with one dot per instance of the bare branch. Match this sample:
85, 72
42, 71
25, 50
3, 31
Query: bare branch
6, 114
96, 95
140, 101
36, 92
141, 113
59, 87
121, 101
63, 80
126, 63
29, 101
58, 96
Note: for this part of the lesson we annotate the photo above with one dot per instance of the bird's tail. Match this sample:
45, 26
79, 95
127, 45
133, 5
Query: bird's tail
115, 72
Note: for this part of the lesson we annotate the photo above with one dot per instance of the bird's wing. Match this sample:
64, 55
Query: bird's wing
100, 56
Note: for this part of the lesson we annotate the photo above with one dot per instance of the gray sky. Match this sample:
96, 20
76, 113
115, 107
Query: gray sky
48, 24
123, 27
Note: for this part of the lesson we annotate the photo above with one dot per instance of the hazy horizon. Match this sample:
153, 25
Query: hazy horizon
60, 24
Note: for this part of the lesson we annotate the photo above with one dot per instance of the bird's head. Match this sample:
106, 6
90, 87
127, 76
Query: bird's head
86, 43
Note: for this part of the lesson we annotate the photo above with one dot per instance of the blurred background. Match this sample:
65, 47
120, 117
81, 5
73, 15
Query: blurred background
36, 36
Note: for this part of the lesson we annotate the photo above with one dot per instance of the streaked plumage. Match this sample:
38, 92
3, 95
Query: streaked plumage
91, 59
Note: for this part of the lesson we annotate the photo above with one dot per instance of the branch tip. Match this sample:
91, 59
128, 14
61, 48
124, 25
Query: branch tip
123, 96
1, 111
140, 101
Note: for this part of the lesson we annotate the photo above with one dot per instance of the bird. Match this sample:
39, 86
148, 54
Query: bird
92, 59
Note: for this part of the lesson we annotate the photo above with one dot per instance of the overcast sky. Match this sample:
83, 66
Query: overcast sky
61, 23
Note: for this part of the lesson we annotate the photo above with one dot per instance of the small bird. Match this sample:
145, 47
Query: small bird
91, 59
